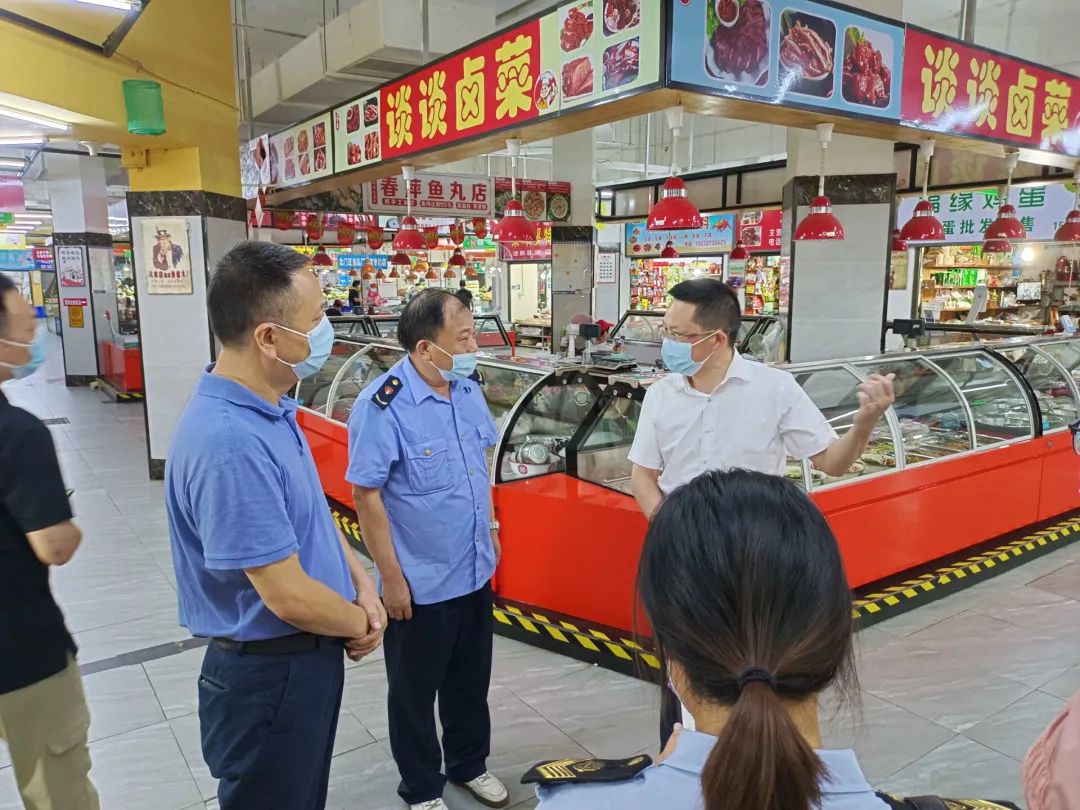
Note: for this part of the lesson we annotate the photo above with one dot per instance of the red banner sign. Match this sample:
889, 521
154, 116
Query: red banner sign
953, 87
478, 90
760, 231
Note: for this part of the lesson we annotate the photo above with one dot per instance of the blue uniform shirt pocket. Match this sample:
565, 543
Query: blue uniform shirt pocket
428, 466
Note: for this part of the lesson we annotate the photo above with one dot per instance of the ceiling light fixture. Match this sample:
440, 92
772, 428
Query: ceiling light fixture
408, 236
1007, 226
924, 226
22, 140
821, 223
899, 243
674, 211
1070, 228
513, 227
33, 118
457, 259
119, 5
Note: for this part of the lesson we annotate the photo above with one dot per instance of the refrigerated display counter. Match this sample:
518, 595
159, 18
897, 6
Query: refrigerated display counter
490, 332
326, 399
976, 446
640, 333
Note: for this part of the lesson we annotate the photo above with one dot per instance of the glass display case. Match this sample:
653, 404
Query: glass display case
948, 403
490, 332
356, 363
640, 333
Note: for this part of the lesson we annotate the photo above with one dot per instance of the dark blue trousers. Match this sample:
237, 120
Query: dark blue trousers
444, 650
268, 724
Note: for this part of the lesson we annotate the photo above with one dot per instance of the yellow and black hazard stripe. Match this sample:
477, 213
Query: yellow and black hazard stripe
620, 651
883, 603
115, 394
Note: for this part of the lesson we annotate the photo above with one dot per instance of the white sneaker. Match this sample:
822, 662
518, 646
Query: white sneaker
487, 789
434, 804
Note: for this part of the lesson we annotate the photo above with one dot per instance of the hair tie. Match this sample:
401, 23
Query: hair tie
755, 675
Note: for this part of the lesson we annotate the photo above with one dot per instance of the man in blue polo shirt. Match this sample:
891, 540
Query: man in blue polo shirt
418, 438
261, 568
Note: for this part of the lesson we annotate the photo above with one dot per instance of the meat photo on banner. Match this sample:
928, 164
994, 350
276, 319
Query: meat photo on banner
791, 52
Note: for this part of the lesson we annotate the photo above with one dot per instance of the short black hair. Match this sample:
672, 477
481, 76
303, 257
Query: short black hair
251, 284
6, 286
716, 304
424, 316
462, 284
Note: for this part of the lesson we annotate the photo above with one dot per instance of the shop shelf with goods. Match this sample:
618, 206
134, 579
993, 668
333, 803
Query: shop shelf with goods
652, 279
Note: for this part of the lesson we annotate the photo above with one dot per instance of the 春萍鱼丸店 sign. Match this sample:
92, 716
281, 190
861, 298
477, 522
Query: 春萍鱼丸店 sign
432, 195
950, 86
965, 215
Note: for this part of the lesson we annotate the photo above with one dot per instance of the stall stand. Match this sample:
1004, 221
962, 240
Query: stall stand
1027, 288
982, 425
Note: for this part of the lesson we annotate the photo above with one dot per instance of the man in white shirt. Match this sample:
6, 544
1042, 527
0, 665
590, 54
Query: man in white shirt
718, 410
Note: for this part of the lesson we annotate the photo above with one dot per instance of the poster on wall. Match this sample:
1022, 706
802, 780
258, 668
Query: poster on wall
607, 265
761, 231
791, 52
71, 266
170, 261
543, 200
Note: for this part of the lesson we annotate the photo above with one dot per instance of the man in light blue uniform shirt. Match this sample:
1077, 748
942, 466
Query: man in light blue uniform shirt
261, 569
418, 441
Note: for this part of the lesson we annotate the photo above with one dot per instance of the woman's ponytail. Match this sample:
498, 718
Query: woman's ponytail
761, 760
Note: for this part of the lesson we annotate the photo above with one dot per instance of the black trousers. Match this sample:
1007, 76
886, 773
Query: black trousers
444, 652
268, 724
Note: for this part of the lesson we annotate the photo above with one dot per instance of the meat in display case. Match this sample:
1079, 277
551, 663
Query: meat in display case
972, 425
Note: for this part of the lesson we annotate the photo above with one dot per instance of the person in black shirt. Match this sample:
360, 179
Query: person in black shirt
464, 295
43, 714
355, 296
335, 309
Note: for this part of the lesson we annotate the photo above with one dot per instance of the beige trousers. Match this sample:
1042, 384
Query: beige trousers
45, 726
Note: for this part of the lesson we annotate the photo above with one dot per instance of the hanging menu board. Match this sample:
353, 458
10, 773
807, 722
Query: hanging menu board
356, 133
302, 153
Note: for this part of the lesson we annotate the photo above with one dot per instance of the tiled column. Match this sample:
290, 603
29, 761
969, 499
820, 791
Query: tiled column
838, 288
82, 251
573, 245
173, 323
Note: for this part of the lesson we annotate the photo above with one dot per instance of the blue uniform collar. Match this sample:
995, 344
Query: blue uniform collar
845, 775
211, 385
417, 386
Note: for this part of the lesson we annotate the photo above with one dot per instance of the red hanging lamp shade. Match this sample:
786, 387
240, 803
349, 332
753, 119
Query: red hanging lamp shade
899, 243
431, 274
322, 258
1006, 226
470, 272
924, 226
457, 259
997, 246
367, 272
393, 273
449, 273
400, 259
669, 251
1070, 228
513, 227
674, 211
739, 253
821, 223
408, 235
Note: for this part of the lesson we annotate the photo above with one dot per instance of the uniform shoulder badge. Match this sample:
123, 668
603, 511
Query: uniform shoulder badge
386, 393
569, 771
938, 803
477, 377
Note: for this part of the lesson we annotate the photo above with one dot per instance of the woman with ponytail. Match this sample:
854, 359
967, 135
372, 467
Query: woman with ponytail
744, 588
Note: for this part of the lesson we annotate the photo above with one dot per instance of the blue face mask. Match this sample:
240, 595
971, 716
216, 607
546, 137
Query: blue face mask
676, 356
320, 343
37, 355
464, 365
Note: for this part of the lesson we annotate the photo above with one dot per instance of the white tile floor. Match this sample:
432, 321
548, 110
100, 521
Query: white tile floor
952, 693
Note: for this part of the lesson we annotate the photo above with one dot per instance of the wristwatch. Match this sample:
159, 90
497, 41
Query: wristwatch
494, 526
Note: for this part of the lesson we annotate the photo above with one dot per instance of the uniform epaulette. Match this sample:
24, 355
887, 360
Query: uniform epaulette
385, 395
580, 771
938, 803
477, 377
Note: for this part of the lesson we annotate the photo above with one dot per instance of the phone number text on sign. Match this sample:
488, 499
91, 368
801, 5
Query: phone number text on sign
484, 88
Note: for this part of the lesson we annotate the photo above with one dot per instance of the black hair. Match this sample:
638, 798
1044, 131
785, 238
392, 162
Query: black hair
6, 286
716, 306
424, 316
356, 282
252, 284
742, 581
461, 286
